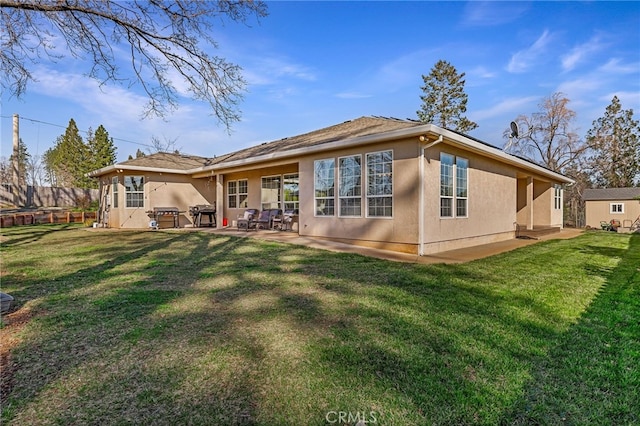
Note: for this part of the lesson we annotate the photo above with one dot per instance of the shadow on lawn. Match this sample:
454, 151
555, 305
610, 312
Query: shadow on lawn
591, 374
232, 331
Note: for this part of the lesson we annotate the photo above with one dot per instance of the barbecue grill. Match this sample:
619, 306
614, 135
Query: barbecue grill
165, 212
196, 213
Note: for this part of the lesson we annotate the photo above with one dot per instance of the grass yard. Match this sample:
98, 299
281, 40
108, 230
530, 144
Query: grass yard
192, 328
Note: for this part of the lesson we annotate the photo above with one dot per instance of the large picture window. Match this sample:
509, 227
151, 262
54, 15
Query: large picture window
380, 184
350, 185
454, 186
324, 186
134, 191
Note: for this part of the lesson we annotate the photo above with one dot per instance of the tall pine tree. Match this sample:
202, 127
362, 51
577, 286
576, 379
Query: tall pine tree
614, 141
444, 101
101, 148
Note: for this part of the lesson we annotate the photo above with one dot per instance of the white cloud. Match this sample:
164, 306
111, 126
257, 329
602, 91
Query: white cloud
509, 106
485, 13
352, 95
580, 53
523, 60
615, 66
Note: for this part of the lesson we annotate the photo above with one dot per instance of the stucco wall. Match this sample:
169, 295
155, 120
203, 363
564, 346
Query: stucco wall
597, 211
160, 190
491, 203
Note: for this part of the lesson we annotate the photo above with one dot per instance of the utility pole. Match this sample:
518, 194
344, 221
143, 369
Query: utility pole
15, 181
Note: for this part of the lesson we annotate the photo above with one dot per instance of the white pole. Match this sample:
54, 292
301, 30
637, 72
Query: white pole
15, 181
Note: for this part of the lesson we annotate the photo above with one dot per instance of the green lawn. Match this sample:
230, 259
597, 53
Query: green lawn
192, 328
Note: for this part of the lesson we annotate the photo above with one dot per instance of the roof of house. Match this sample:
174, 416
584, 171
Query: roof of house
355, 132
363, 126
167, 160
611, 194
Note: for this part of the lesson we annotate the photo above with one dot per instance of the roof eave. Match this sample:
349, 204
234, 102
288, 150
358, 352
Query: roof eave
500, 155
328, 146
119, 168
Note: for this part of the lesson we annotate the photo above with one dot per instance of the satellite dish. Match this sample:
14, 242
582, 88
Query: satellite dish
514, 129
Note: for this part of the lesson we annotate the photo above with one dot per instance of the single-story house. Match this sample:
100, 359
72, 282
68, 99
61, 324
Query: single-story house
380, 182
607, 204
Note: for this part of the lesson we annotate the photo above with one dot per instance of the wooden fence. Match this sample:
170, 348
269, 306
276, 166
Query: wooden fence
39, 217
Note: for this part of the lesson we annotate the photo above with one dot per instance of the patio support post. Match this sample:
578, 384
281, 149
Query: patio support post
219, 200
530, 202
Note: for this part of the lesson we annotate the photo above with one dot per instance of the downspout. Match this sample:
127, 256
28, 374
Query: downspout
424, 145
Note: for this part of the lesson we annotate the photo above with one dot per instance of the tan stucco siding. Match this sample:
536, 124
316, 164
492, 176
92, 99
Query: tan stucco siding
597, 211
161, 190
491, 203
399, 232
254, 184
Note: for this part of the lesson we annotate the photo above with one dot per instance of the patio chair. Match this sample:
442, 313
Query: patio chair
247, 220
265, 220
606, 226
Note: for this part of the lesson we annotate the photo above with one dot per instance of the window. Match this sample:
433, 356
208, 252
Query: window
291, 192
114, 184
557, 197
453, 191
324, 183
616, 208
270, 193
134, 191
232, 194
350, 185
446, 185
462, 166
380, 184
237, 194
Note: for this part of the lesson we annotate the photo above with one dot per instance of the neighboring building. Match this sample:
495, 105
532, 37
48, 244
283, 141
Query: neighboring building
604, 205
379, 182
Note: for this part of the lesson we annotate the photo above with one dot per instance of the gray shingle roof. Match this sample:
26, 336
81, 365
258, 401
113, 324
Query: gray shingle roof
611, 194
362, 126
167, 160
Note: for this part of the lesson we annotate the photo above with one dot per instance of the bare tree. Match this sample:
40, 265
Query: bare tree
547, 137
160, 36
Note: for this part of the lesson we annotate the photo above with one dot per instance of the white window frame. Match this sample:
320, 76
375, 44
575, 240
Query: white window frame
114, 191
454, 185
459, 197
240, 197
330, 196
557, 197
269, 205
349, 193
128, 192
372, 197
294, 202
613, 208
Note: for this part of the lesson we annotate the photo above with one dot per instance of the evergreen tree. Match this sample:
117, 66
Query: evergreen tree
101, 148
614, 141
444, 101
69, 160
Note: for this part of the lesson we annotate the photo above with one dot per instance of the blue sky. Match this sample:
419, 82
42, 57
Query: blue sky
315, 64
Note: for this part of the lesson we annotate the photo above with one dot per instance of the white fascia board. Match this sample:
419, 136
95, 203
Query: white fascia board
498, 154
123, 167
327, 146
